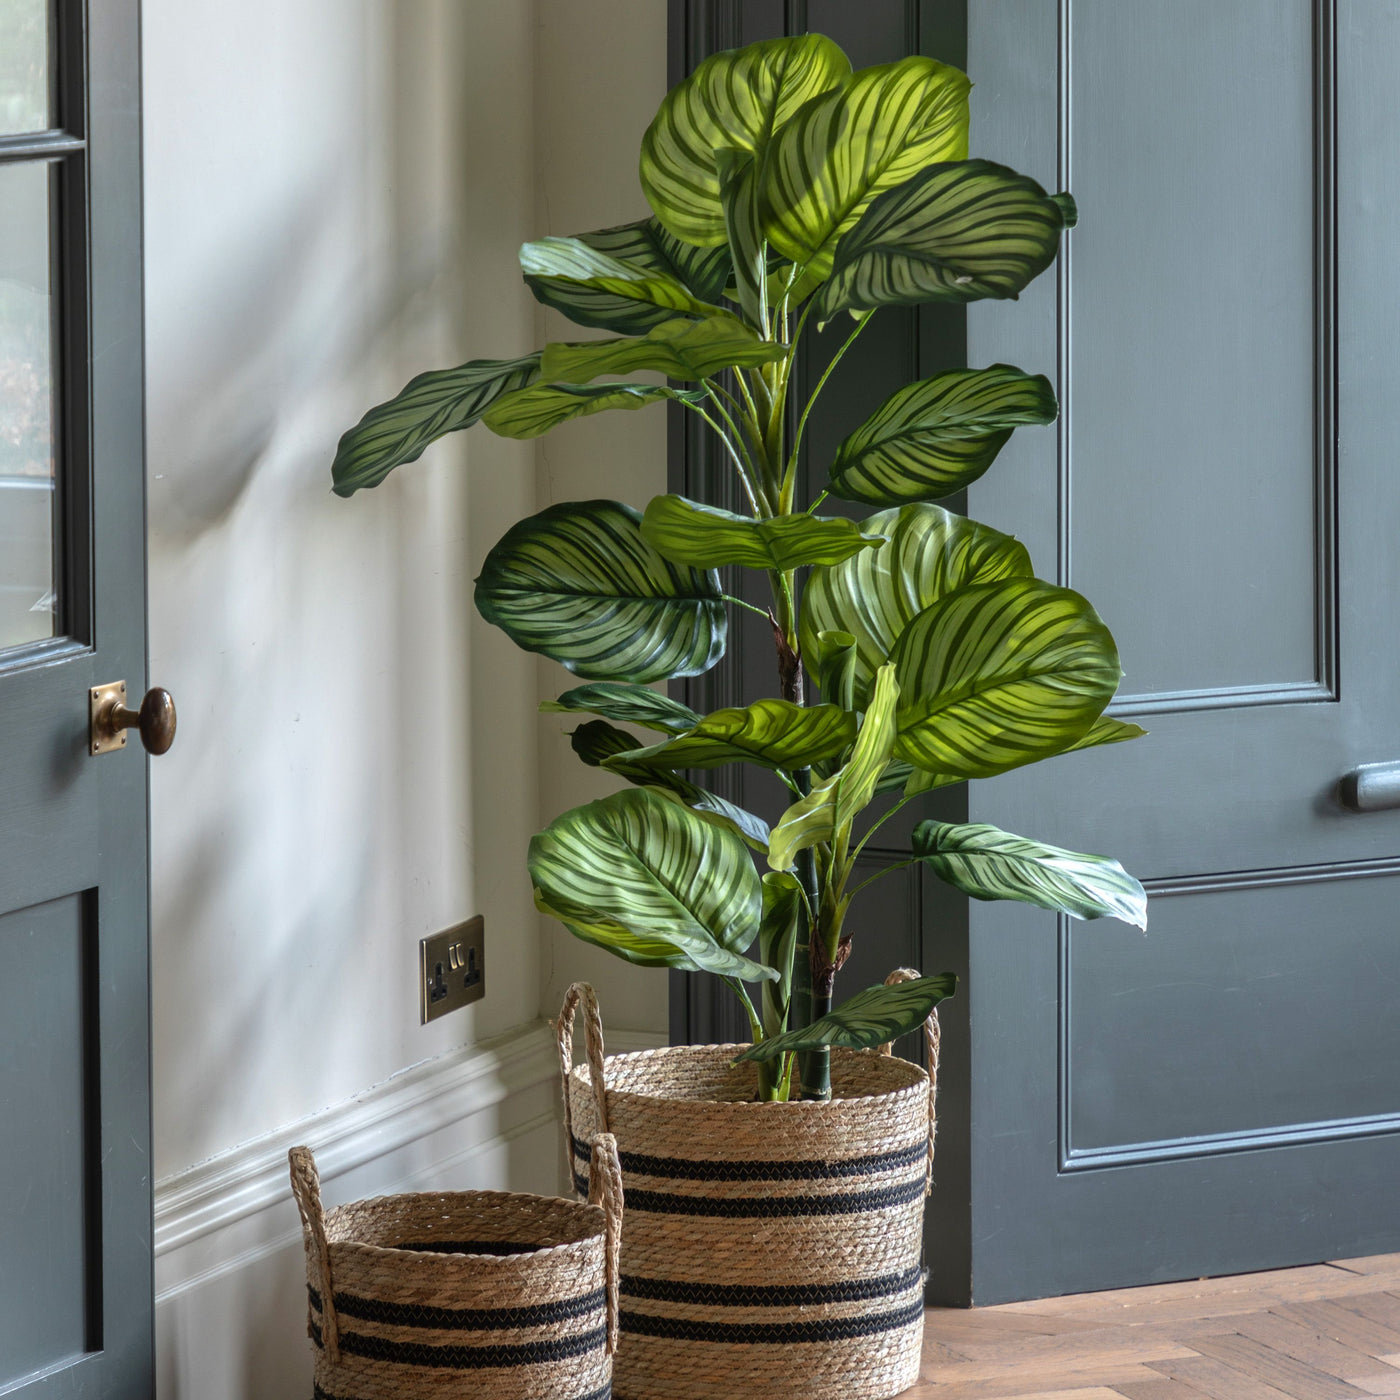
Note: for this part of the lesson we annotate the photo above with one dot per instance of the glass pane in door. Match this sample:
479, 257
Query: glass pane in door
28, 597
24, 66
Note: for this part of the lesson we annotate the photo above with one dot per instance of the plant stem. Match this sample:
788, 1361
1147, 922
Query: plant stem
739, 602
821, 384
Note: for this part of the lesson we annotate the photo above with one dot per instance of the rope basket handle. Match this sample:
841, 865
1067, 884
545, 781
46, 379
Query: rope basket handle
933, 1037
605, 1189
306, 1188
593, 1042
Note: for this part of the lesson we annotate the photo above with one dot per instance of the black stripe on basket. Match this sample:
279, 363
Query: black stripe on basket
685, 1169
604, 1394
849, 1203
463, 1319
829, 1329
456, 1358
742, 1295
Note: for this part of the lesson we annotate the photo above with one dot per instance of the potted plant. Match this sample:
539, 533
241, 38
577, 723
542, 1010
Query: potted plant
787, 192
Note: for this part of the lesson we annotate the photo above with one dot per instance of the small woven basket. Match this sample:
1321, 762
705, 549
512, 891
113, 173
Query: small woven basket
770, 1250
482, 1293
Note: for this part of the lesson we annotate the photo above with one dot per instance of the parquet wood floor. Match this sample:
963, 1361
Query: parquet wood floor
1325, 1332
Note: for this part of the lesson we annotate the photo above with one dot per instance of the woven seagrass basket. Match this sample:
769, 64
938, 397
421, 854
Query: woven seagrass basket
485, 1294
770, 1250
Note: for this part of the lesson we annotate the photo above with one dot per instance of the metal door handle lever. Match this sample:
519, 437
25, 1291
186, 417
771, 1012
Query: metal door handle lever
109, 719
1373, 787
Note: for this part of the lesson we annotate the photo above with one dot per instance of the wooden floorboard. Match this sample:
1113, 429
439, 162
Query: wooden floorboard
1322, 1332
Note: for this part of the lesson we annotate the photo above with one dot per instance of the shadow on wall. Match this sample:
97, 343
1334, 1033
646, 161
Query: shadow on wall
316, 817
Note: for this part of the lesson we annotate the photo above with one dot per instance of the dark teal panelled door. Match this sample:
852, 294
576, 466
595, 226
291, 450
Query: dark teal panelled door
75, 1179
1222, 1094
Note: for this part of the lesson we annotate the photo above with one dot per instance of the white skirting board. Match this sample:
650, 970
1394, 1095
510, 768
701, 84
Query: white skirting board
230, 1281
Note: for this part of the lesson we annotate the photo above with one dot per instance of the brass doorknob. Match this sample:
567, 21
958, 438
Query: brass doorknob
109, 718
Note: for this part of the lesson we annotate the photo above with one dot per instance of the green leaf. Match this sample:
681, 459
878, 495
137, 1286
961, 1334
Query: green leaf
1069, 210
645, 878
1106, 730
784, 916
429, 406
873, 1017
682, 349
874, 595
528, 413
772, 733
1001, 674
735, 99
874, 131
628, 704
597, 741
956, 232
939, 435
597, 288
646, 246
738, 191
833, 805
991, 864
690, 532
835, 660
578, 583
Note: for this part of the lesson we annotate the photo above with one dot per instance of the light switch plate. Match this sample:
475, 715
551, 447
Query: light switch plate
452, 968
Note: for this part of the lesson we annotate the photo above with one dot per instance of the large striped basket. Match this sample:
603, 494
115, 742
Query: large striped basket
770, 1250
481, 1293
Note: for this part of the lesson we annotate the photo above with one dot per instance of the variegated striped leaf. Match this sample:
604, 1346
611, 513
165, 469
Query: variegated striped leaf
598, 741
738, 192
938, 435
871, 133
643, 245
834, 661
988, 863
1107, 730
532, 412
956, 232
709, 537
578, 583
1001, 674
429, 406
834, 804
735, 99
914, 781
771, 733
784, 915
873, 1017
645, 878
627, 704
874, 594
597, 288
681, 348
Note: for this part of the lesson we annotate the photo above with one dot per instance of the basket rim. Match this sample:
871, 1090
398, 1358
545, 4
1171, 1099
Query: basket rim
441, 1258
918, 1080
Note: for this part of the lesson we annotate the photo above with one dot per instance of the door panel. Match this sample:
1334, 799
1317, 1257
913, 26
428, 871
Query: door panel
1190, 300
75, 1179
1232, 976
1223, 1094
47, 1102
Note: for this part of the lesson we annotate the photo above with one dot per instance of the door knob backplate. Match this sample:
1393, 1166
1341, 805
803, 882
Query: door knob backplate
109, 719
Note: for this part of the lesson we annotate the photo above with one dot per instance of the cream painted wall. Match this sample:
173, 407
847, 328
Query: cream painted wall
335, 192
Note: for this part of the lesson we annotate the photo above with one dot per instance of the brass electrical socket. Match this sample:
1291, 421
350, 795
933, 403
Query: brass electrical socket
452, 968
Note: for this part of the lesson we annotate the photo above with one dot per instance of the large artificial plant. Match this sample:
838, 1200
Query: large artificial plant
787, 192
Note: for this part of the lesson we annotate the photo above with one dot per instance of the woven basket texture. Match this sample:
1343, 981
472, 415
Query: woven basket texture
487, 1294
770, 1251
